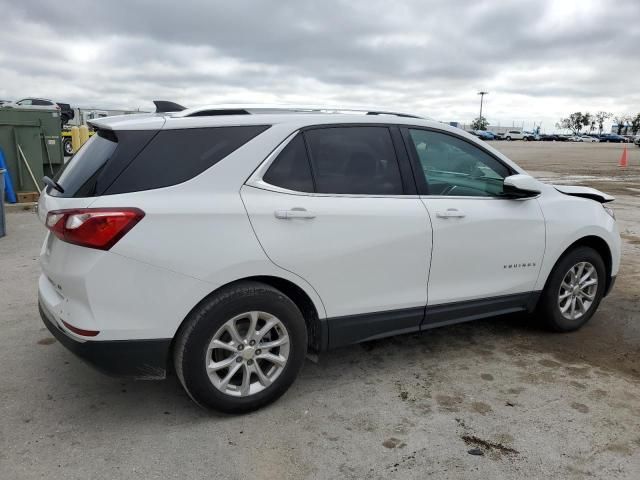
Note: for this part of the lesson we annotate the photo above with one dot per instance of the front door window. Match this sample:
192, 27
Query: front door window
453, 167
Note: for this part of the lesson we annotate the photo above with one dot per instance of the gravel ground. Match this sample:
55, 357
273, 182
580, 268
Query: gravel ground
533, 404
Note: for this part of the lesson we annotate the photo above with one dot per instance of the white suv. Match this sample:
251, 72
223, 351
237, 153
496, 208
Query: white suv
225, 243
34, 103
520, 135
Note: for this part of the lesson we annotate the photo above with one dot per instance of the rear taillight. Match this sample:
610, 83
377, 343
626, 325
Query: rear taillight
97, 228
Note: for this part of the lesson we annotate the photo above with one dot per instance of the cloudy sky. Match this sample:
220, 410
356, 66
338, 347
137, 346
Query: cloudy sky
539, 60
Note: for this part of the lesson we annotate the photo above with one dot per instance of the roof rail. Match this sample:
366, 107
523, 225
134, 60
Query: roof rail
241, 109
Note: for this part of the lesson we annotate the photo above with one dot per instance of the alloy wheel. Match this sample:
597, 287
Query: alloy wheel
247, 353
578, 290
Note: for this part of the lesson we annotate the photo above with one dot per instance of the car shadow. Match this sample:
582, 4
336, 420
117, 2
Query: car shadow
81, 394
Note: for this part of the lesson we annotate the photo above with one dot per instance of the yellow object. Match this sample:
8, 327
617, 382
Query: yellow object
84, 134
75, 139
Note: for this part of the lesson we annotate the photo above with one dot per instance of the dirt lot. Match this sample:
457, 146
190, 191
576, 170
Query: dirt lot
536, 404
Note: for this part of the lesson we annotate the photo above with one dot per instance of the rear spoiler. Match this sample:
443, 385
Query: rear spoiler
164, 106
584, 192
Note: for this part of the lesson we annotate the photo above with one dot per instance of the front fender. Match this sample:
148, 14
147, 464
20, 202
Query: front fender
568, 220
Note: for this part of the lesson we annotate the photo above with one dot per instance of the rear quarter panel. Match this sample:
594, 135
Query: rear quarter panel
200, 228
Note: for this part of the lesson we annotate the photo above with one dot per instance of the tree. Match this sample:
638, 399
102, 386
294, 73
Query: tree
479, 123
600, 118
635, 124
575, 122
620, 121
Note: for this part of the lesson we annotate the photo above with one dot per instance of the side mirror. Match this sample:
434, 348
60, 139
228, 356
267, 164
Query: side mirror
521, 186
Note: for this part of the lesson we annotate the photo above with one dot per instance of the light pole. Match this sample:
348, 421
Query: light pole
482, 94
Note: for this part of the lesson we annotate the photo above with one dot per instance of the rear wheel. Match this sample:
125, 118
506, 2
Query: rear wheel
241, 349
574, 290
509, 139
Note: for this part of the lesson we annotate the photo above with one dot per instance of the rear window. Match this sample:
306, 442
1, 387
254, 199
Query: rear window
97, 164
135, 160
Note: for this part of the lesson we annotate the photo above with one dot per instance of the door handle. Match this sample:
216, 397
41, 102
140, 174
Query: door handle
294, 213
450, 213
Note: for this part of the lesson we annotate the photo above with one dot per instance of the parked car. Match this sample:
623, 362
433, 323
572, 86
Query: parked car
612, 138
529, 136
514, 135
588, 139
484, 135
550, 137
66, 112
279, 231
35, 103
497, 136
637, 141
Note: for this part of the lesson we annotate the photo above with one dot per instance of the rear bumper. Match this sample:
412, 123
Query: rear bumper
141, 359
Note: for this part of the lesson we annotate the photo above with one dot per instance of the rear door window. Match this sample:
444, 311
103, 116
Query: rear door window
291, 168
354, 160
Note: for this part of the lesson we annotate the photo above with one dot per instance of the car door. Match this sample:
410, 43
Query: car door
338, 207
487, 249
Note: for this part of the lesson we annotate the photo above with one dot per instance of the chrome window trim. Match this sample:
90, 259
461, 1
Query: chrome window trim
461, 197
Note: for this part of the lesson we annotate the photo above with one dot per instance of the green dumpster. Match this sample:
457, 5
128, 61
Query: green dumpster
31, 136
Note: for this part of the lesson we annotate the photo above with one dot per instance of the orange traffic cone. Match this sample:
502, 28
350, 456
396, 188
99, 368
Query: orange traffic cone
623, 158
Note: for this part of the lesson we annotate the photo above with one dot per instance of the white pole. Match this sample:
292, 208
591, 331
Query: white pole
33, 177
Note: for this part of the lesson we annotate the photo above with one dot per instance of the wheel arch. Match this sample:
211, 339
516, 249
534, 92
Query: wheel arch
316, 326
600, 245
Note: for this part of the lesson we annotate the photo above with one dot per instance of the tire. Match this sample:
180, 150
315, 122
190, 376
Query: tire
508, 139
68, 147
525, 139
237, 303
549, 309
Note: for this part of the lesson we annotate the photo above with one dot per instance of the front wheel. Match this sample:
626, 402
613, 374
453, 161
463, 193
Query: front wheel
241, 349
573, 291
